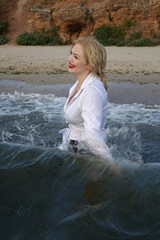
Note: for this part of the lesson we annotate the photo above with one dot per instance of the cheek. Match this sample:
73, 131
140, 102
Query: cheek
85, 66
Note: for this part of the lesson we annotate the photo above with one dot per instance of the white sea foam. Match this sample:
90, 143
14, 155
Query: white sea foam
134, 113
37, 119
20, 103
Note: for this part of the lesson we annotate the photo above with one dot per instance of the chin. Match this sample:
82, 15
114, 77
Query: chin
70, 70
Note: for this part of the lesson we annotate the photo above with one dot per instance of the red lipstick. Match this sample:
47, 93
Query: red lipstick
71, 65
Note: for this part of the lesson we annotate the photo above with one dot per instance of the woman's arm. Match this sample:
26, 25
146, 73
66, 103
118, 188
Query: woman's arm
92, 105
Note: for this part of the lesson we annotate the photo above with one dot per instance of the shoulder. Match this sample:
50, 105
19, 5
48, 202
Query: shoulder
94, 95
96, 89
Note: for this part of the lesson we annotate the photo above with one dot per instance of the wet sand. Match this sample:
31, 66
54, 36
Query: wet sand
118, 92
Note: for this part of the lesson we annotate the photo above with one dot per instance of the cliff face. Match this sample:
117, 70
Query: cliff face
77, 18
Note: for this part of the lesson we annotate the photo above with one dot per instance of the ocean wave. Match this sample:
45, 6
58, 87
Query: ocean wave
48, 194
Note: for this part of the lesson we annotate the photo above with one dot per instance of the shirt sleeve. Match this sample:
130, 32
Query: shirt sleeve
91, 105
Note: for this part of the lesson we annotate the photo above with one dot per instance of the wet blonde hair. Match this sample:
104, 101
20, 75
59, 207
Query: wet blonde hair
95, 55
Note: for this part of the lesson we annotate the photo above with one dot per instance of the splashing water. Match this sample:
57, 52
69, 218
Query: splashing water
49, 194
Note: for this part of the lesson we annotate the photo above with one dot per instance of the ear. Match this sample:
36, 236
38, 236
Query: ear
89, 68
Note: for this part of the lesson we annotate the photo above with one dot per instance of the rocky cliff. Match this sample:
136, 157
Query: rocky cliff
82, 17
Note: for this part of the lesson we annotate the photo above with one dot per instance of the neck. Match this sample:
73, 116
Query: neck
82, 77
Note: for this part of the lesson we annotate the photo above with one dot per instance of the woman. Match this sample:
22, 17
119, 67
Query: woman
86, 107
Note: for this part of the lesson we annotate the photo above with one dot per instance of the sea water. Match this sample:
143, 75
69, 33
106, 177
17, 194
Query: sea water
49, 194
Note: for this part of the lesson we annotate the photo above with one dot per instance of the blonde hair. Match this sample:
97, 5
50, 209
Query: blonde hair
95, 55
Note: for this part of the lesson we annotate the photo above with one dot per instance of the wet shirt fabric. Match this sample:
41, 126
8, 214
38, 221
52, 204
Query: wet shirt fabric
86, 114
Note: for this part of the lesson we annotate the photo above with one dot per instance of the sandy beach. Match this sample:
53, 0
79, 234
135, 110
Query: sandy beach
130, 71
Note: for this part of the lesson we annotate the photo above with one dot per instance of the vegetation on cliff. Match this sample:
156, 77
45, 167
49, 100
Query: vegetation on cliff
107, 35
117, 36
45, 37
3, 30
112, 22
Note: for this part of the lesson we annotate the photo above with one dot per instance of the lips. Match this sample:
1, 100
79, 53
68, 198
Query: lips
71, 65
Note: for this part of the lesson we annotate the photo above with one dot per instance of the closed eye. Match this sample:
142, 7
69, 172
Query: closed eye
75, 55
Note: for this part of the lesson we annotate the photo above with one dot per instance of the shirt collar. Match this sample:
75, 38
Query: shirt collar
89, 79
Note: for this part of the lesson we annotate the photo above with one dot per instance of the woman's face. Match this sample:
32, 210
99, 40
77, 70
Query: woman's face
77, 62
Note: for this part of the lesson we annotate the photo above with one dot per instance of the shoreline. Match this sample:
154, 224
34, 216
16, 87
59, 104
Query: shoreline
65, 77
133, 73
118, 92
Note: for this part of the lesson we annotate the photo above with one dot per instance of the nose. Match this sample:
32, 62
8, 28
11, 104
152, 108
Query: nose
70, 58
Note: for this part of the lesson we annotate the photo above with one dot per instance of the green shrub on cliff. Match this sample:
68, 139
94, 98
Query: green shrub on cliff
143, 42
135, 36
3, 27
34, 38
46, 37
53, 32
109, 35
115, 36
3, 39
112, 35
127, 23
156, 36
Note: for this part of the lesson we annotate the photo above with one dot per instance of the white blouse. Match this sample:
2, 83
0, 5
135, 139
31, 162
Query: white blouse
86, 115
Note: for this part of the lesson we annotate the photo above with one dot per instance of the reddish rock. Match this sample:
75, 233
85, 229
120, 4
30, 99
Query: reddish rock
77, 18
42, 18
74, 20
